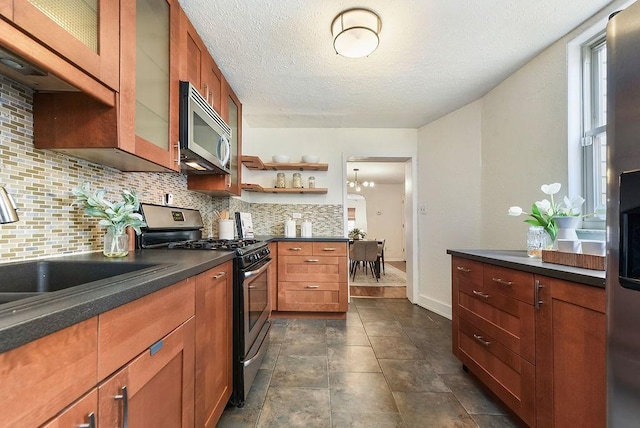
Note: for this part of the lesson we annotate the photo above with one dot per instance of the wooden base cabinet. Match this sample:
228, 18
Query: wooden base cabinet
41, 378
494, 331
312, 276
570, 354
214, 344
156, 388
537, 343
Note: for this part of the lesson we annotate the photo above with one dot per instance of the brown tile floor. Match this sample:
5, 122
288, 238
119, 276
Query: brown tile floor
389, 364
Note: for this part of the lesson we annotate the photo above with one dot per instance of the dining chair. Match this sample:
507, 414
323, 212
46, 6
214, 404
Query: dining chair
366, 252
381, 253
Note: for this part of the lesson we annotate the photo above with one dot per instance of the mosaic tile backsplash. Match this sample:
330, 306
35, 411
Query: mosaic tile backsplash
41, 183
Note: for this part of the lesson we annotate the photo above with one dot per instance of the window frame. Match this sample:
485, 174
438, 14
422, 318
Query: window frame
593, 114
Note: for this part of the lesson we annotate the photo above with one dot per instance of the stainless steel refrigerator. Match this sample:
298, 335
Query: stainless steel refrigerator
623, 218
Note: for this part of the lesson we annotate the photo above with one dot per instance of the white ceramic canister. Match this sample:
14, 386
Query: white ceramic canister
226, 229
306, 229
290, 229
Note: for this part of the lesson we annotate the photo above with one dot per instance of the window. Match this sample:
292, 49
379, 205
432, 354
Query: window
594, 123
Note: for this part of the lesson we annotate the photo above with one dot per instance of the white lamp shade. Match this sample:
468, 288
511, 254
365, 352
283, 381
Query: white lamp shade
355, 33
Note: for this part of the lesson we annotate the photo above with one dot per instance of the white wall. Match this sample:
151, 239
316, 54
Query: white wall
491, 154
449, 170
384, 217
330, 144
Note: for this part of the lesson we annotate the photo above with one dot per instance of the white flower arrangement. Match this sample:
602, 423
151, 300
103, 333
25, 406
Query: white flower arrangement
544, 212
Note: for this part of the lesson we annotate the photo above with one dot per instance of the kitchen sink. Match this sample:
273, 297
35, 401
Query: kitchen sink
27, 279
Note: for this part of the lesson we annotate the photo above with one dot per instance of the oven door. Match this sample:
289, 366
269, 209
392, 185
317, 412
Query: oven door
257, 307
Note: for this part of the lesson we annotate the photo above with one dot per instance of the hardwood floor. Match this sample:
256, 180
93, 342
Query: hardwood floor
402, 265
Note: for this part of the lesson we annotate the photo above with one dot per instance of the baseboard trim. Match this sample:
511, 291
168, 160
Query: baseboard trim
433, 305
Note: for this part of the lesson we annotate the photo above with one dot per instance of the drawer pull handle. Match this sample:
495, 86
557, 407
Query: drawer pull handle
502, 281
463, 269
92, 421
480, 339
295, 249
329, 249
311, 286
536, 294
312, 260
125, 406
219, 275
481, 294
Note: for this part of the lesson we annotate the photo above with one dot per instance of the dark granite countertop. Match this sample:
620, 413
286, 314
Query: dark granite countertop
25, 320
517, 259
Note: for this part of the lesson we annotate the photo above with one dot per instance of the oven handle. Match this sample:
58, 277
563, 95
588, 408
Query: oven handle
262, 267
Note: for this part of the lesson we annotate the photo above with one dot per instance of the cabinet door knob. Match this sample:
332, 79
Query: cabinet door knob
463, 269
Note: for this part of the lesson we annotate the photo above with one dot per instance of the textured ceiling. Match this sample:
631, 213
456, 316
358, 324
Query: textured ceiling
434, 57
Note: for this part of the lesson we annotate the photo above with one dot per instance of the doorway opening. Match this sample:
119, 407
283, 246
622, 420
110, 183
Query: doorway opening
375, 204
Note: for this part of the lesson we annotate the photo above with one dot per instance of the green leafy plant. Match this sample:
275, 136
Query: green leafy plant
357, 233
116, 216
544, 212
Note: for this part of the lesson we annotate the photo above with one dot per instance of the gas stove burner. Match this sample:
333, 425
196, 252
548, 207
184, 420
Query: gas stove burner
213, 244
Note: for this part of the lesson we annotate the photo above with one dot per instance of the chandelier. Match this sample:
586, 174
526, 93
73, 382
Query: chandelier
356, 184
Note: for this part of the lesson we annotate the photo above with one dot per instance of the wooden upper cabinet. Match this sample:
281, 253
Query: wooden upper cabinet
143, 124
212, 81
75, 43
84, 32
221, 185
198, 67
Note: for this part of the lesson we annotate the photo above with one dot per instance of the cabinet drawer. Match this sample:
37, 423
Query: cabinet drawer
312, 268
126, 331
508, 375
509, 321
466, 271
41, 378
330, 248
312, 296
295, 248
512, 283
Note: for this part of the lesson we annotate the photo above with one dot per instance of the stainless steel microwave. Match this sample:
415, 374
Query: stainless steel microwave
204, 136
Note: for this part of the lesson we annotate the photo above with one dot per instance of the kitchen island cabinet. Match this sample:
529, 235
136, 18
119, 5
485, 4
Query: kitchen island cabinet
570, 354
536, 341
312, 276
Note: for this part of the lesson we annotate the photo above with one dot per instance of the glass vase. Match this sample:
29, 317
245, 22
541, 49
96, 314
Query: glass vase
116, 244
537, 240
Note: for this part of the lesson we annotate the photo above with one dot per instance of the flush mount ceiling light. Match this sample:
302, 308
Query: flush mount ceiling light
356, 185
355, 33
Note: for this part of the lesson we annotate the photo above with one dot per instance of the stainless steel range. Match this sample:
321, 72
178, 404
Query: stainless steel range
181, 229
